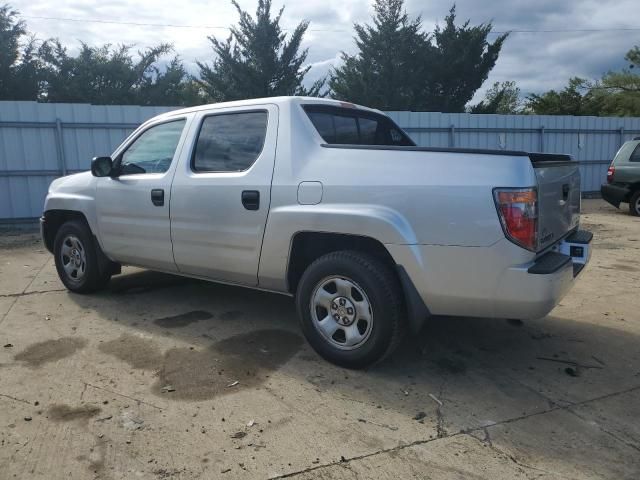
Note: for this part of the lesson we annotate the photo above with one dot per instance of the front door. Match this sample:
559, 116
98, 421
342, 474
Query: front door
133, 207
220, 200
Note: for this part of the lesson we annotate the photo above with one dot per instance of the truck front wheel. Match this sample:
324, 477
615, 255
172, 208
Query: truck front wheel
351, 308
76, 258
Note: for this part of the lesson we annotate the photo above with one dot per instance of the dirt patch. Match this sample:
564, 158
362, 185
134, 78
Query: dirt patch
40, 353
625, 267
182, 320
137, 351
247, 359
451, 365
95, 459
231, 315
17, 240
66, 413
243, 361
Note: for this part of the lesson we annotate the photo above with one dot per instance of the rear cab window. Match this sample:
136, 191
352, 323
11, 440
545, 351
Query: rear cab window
351, 126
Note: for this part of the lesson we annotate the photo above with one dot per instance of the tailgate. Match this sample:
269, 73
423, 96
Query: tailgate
558, 196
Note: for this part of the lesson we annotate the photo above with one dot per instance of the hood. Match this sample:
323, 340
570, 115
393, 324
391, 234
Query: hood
72, 183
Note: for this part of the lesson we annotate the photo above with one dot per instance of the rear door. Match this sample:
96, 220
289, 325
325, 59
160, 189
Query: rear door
220, 199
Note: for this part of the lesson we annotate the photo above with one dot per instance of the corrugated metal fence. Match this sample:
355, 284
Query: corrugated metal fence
42, 141
39, 142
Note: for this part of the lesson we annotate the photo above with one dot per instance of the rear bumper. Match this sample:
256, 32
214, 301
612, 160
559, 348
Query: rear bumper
500, 281
614, 194
533, 292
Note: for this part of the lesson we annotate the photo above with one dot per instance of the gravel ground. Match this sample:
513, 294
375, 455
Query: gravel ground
160, 377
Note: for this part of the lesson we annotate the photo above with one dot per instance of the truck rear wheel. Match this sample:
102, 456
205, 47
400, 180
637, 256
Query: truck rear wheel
351, 308
634, 204
76, 258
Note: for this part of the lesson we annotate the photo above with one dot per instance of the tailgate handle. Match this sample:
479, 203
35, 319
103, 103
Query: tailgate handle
565, 191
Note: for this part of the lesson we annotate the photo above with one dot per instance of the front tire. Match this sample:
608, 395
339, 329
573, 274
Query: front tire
76, 258
351, 308
634, 204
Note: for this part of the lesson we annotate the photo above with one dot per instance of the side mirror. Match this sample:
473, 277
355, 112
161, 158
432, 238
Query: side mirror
101, 166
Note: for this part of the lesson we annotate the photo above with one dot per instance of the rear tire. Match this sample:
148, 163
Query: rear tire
634, 204
76, 258
350, 306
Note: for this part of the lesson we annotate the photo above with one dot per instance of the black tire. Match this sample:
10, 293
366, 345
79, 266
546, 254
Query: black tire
92, 278
382, 292
634, 204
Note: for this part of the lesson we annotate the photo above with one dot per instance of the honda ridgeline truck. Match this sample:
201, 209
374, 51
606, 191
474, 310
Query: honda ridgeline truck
331, 203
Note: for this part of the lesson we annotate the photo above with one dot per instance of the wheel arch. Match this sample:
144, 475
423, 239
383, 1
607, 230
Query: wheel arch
51, 222
307, 246
53, 219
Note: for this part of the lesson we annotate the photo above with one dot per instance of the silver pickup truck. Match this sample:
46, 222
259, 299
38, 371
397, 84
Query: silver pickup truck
334, 204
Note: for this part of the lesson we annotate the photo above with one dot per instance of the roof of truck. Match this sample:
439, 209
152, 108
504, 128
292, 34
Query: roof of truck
269, 100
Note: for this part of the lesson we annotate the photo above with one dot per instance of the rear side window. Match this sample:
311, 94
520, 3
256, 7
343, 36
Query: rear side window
627, 152
349, 126
230, 142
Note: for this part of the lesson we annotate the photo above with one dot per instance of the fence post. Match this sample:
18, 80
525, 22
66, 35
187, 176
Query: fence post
452, 135
621, 135
60, 147
541, 138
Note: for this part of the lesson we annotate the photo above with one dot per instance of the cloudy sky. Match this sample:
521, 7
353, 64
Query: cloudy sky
558, 38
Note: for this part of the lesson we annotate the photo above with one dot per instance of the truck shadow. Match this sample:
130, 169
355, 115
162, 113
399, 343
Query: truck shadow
457, 374
448, 349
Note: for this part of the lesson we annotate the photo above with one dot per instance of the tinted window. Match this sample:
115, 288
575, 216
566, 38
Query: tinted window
625, 152
635, 156
153, 150
324, 124
346, 129
368, 130
230, 142
350, 126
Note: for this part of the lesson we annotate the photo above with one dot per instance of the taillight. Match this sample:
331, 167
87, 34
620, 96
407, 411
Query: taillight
518, 211
610, 173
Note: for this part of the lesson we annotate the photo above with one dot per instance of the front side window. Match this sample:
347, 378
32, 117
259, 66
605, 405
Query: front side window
230, 142
350, 126
153, 150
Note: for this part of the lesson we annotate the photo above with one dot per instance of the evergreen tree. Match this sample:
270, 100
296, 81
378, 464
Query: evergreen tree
459, 64
618, 93
257, 60
171, 86
109, 75
398, 67
19, 66
574, 99
387, 72
502, 98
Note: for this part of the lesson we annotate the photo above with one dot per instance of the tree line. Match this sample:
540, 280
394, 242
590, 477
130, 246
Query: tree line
397, 66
